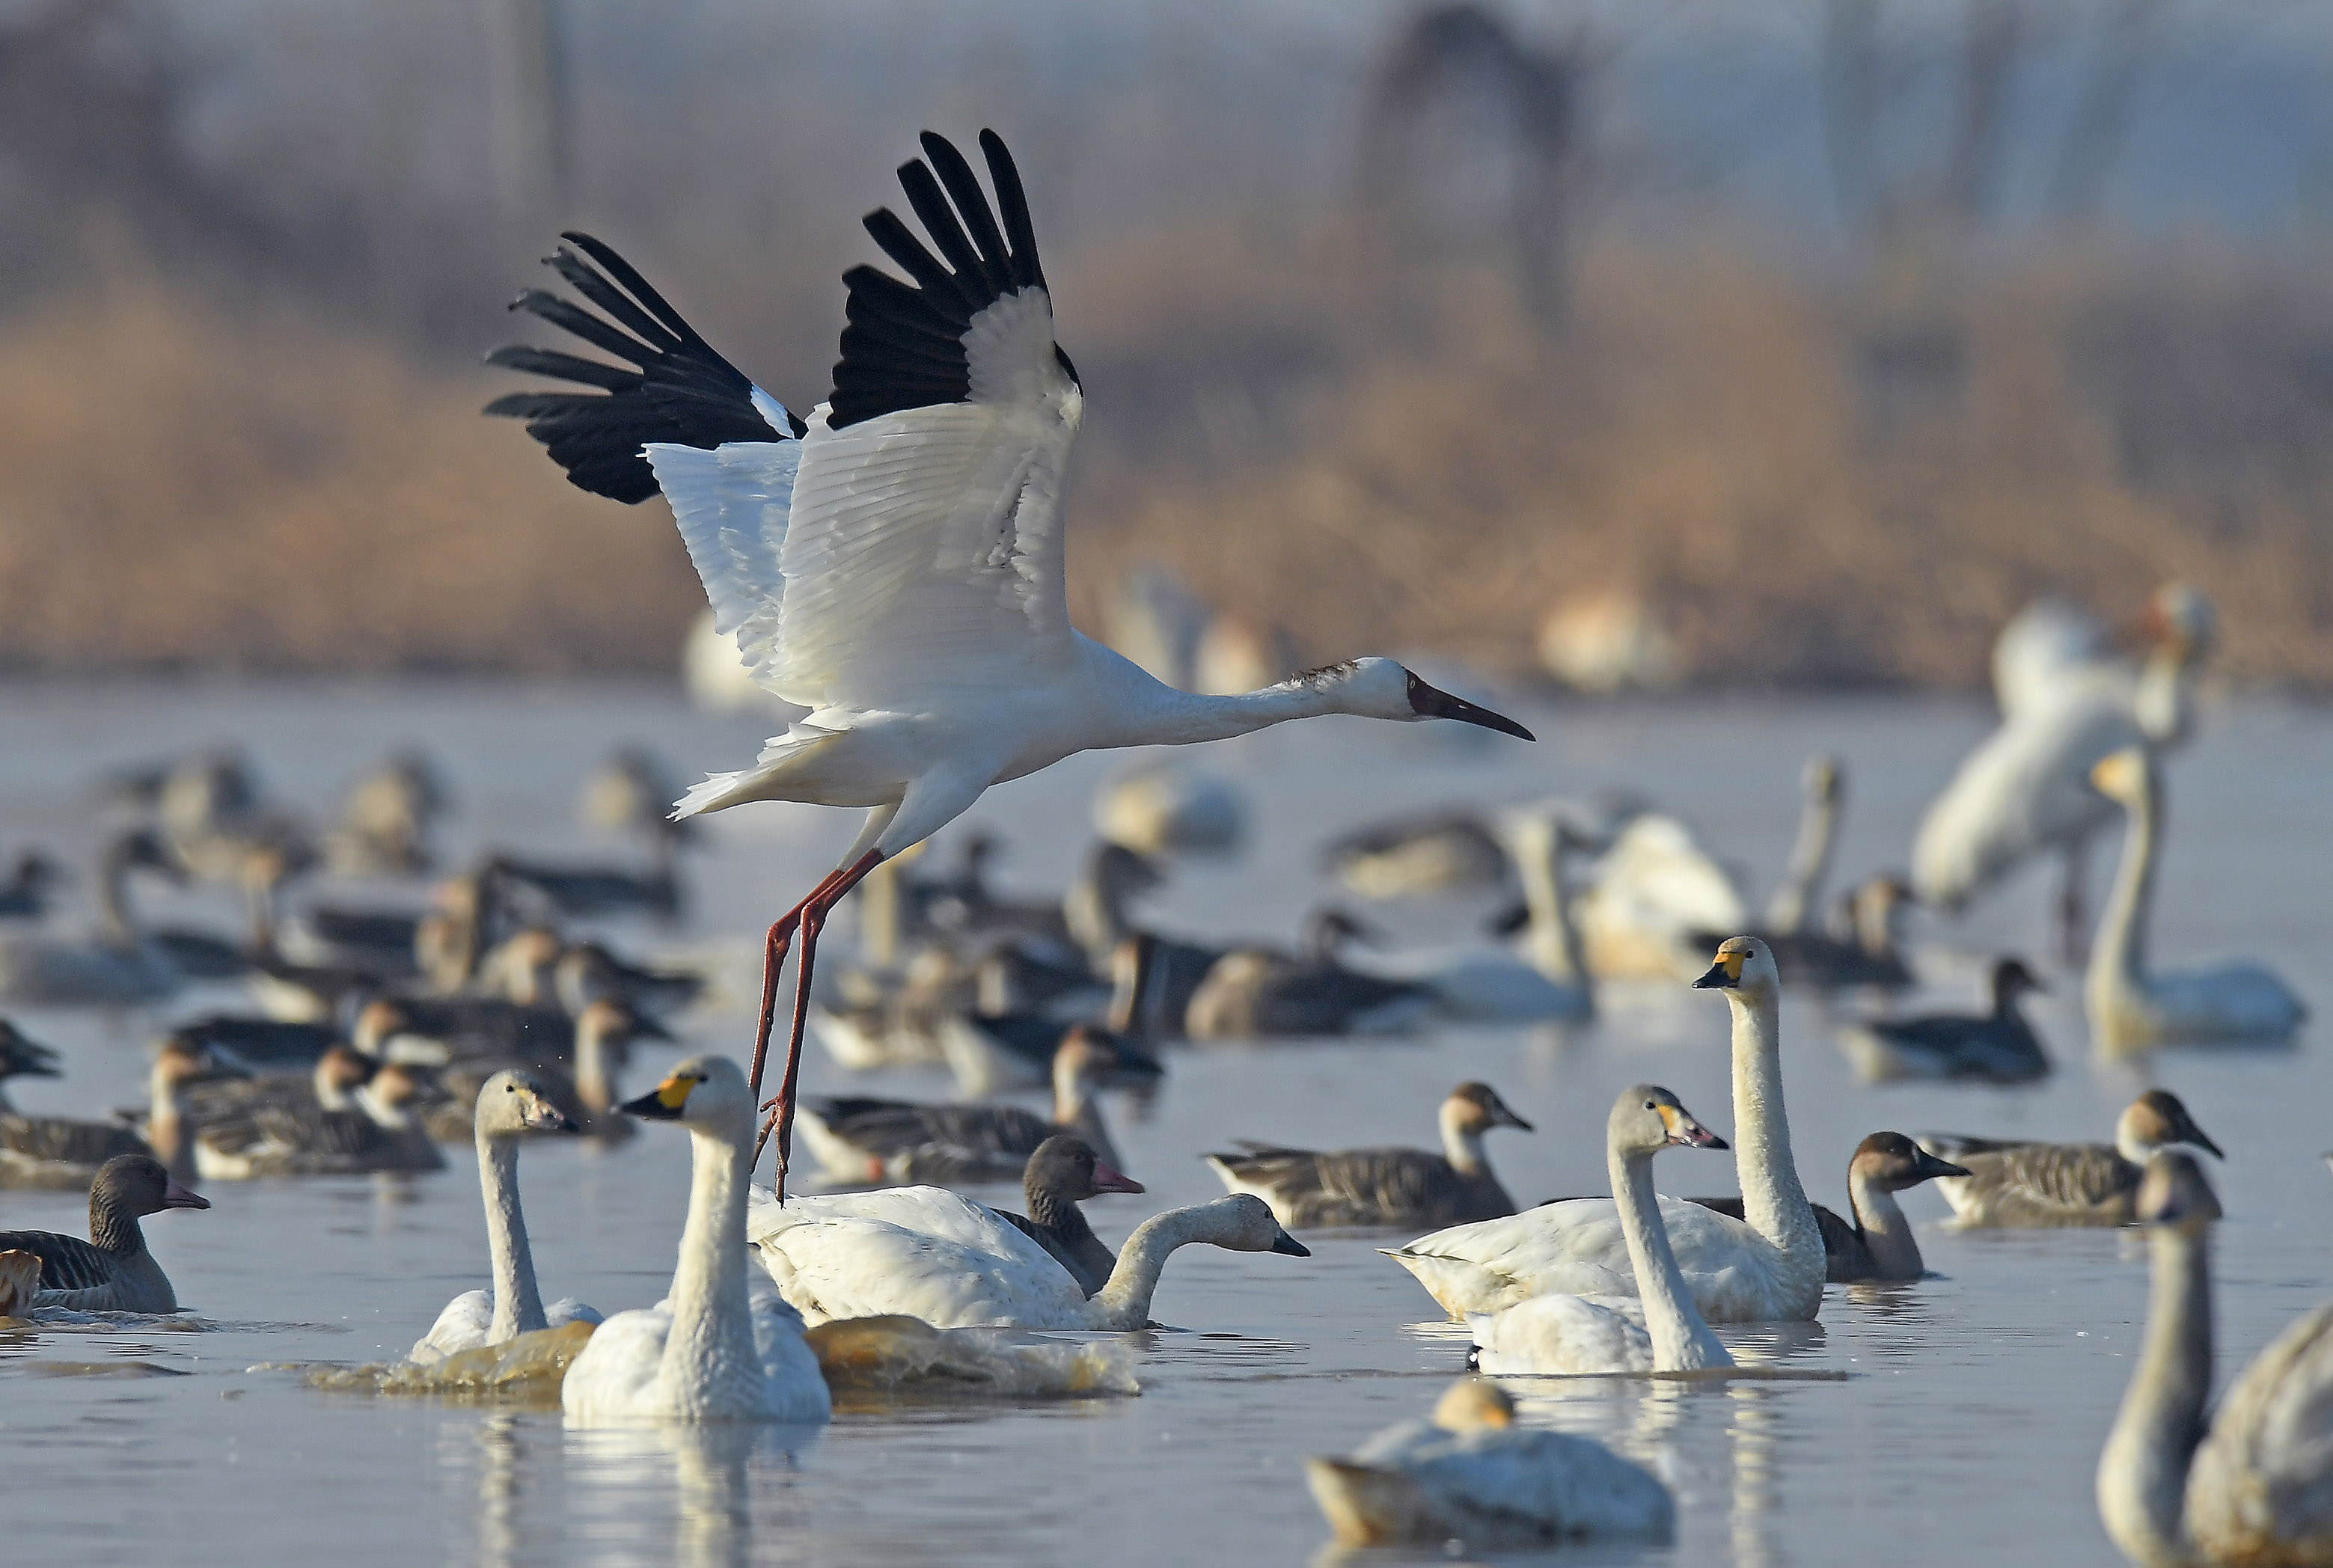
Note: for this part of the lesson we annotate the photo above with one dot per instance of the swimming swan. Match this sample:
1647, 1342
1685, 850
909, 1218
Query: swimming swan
1469, 1474
1308, 1187
511, 1104
928, 1253
710, 1351
2033, 1186
1567, 1334
1767, 1267
2248, 1483
2130, 1008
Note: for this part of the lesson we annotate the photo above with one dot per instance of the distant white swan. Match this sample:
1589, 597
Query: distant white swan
931, 1254
1563, 1334
1767, 1266
711, 1351
511, 1104
2248, 1483
1469, 1475
1654, 890
2133, 1008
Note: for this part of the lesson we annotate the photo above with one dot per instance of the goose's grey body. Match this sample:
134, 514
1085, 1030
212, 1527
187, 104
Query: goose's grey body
1309, 1188
2027, 1185
1063, 1172
51, 1151
111, 1271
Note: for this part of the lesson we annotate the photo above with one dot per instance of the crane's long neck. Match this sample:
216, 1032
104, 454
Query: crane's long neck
1886, 1233
1124, 1300
2117, 972
1164, 716
1682, 1340
712, 1310
1793, 907
2163, 701
1772, 1201
518, 1303
2143, 1470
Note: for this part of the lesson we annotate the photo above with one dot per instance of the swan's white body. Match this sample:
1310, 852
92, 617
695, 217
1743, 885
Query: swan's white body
1563, 1334
2026, 786
711, 1351
1550, 980
2131, 1007
1470, 1476
928, 1253
1769, 1267
1656, 889
509, 1105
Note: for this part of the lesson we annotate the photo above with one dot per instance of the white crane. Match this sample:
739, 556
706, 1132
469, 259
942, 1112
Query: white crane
895, 563
2026, 786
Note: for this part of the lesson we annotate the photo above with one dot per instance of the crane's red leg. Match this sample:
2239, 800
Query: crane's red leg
773, 960
809, 917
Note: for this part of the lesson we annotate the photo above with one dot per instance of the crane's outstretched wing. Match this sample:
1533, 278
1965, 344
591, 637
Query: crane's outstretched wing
683, 420
924, 550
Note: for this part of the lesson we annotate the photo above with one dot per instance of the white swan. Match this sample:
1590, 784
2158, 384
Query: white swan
2025, 787
1567, 1334
1797, 896
2248, 1484
511, 1104
1550, 980
1655, 889
711, 1351
120, 965
2133, 1010
1767, 1266
1468, 1475
928, 1253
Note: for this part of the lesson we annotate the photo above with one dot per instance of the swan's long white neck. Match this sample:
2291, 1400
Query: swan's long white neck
1772, 1201
1682, 1340
1886, 1233
518, 1303
1801, 890
1124, 1300
711, 1335
1550, 941
1462, 1140
2143, 1470
2117, 973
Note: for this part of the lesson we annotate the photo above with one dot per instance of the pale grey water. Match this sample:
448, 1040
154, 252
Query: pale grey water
1966, 1431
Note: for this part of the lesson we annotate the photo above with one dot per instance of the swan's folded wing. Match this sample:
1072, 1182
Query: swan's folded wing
464, 1324
932, 1211
842, 1266
2263, 1477
616, 1371
1558, 1334
1572, 1488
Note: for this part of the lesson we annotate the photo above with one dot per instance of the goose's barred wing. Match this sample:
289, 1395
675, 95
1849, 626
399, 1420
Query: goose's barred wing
67, 1262
888, 1127
679, 390
65, 1140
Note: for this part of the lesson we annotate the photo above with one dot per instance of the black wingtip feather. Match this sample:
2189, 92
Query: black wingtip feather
904, 346
676, 389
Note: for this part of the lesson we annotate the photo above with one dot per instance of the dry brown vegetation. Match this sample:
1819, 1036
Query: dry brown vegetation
1810, 489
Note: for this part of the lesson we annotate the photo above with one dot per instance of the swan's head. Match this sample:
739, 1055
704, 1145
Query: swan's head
2179, 618
1243, 1222
2155, 1120
1744, 968
1376, 688
131, 1185
704, 1094
513, 1102
2125, 776
21, 1058
1475, 1108
1066, 1168
1648, 1118
1891, 1162
2174, 1195
1474, 1404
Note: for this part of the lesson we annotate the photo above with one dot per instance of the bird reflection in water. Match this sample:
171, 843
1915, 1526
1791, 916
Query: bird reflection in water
707, 1471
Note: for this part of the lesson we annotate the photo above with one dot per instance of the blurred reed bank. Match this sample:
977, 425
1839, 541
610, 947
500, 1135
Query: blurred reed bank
1786, 344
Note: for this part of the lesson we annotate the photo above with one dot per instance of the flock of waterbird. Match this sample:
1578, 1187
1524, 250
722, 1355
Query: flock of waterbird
892, 565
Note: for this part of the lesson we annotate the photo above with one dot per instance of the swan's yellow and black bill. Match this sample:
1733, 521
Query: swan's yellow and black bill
1686, 1132
1725, 973
1432, 703
663, 1102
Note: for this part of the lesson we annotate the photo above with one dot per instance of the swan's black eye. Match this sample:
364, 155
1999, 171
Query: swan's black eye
1651, 1105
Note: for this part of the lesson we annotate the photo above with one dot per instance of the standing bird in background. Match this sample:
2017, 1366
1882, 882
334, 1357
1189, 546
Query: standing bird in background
895, 564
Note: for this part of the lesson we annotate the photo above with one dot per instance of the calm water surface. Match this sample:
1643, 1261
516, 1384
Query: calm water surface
1965, 1432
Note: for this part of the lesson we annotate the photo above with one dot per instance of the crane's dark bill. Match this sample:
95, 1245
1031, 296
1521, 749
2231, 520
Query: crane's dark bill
1434, 704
